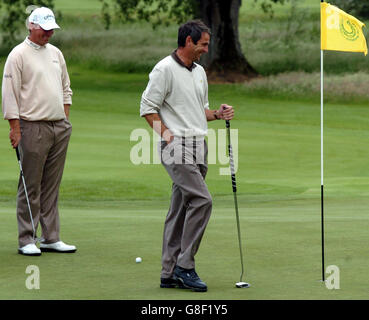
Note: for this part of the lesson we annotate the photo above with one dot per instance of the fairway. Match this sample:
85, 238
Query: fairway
113, 210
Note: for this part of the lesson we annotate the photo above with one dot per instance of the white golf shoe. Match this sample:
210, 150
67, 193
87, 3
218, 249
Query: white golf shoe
58, 246
29, 250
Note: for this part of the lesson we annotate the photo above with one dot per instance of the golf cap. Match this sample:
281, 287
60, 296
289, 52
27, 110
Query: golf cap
44, 17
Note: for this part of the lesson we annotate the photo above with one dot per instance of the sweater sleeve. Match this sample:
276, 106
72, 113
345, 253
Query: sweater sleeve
67, 91
153, 97
206, 106
11, 87
206, 87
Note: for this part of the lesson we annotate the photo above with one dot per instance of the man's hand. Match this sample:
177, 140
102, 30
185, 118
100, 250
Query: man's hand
155, 122
15, 132
225, 112
66, 110
168, 136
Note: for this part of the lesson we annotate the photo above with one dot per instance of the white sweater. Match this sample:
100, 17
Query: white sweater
35, 84
179, 96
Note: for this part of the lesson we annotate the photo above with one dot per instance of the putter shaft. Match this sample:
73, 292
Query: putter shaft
234, 187
26, 193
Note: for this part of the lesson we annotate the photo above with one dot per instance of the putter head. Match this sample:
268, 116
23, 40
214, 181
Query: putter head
242, 285
39, 239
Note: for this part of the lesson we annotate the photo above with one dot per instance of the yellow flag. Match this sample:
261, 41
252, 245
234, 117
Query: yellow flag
340, 31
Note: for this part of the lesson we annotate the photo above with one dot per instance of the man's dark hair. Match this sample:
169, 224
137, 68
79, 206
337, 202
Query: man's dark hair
194, 29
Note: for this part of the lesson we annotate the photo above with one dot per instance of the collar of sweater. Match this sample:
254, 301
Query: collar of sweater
179, 61
33, 45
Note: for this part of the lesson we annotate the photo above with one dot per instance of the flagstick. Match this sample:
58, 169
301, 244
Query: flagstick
321, 161
321, 156
342, 46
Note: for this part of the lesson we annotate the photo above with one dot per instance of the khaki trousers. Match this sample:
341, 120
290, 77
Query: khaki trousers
190, 205
43, 149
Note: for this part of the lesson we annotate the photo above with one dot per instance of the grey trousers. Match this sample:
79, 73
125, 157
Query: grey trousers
190, 206
43, 149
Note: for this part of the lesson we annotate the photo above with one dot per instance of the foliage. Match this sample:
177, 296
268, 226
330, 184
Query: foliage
267, 6
354, 7
162, 11
13, 16
155, 11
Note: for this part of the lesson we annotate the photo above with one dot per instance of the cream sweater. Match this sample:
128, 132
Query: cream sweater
35, 84
179, 96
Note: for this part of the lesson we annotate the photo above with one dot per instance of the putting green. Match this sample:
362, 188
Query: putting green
281, 250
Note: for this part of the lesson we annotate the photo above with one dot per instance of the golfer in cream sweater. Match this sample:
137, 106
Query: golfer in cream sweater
175, 103
36, 97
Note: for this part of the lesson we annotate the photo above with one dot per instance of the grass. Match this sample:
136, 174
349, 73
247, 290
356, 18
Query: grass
307, 86
279, 263
114, 211
78, 8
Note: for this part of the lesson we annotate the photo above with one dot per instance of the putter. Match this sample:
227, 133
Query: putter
240, 284
34, 237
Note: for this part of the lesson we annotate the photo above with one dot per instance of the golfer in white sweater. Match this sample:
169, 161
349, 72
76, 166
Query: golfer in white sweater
175, 103
36, 97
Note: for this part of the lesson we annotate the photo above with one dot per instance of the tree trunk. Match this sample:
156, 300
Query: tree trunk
225, 60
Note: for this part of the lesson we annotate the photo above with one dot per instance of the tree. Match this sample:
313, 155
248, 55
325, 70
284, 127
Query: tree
14, 17
354, 7
225, 60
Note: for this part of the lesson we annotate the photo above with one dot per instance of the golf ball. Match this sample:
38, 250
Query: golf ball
138, 259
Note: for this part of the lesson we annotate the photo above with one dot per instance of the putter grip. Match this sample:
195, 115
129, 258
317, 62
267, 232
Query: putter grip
234, 183
17, 152
230, 153
231, 164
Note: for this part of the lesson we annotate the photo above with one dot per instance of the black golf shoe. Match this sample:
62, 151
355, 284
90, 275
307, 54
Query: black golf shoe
189, 279
169, 282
